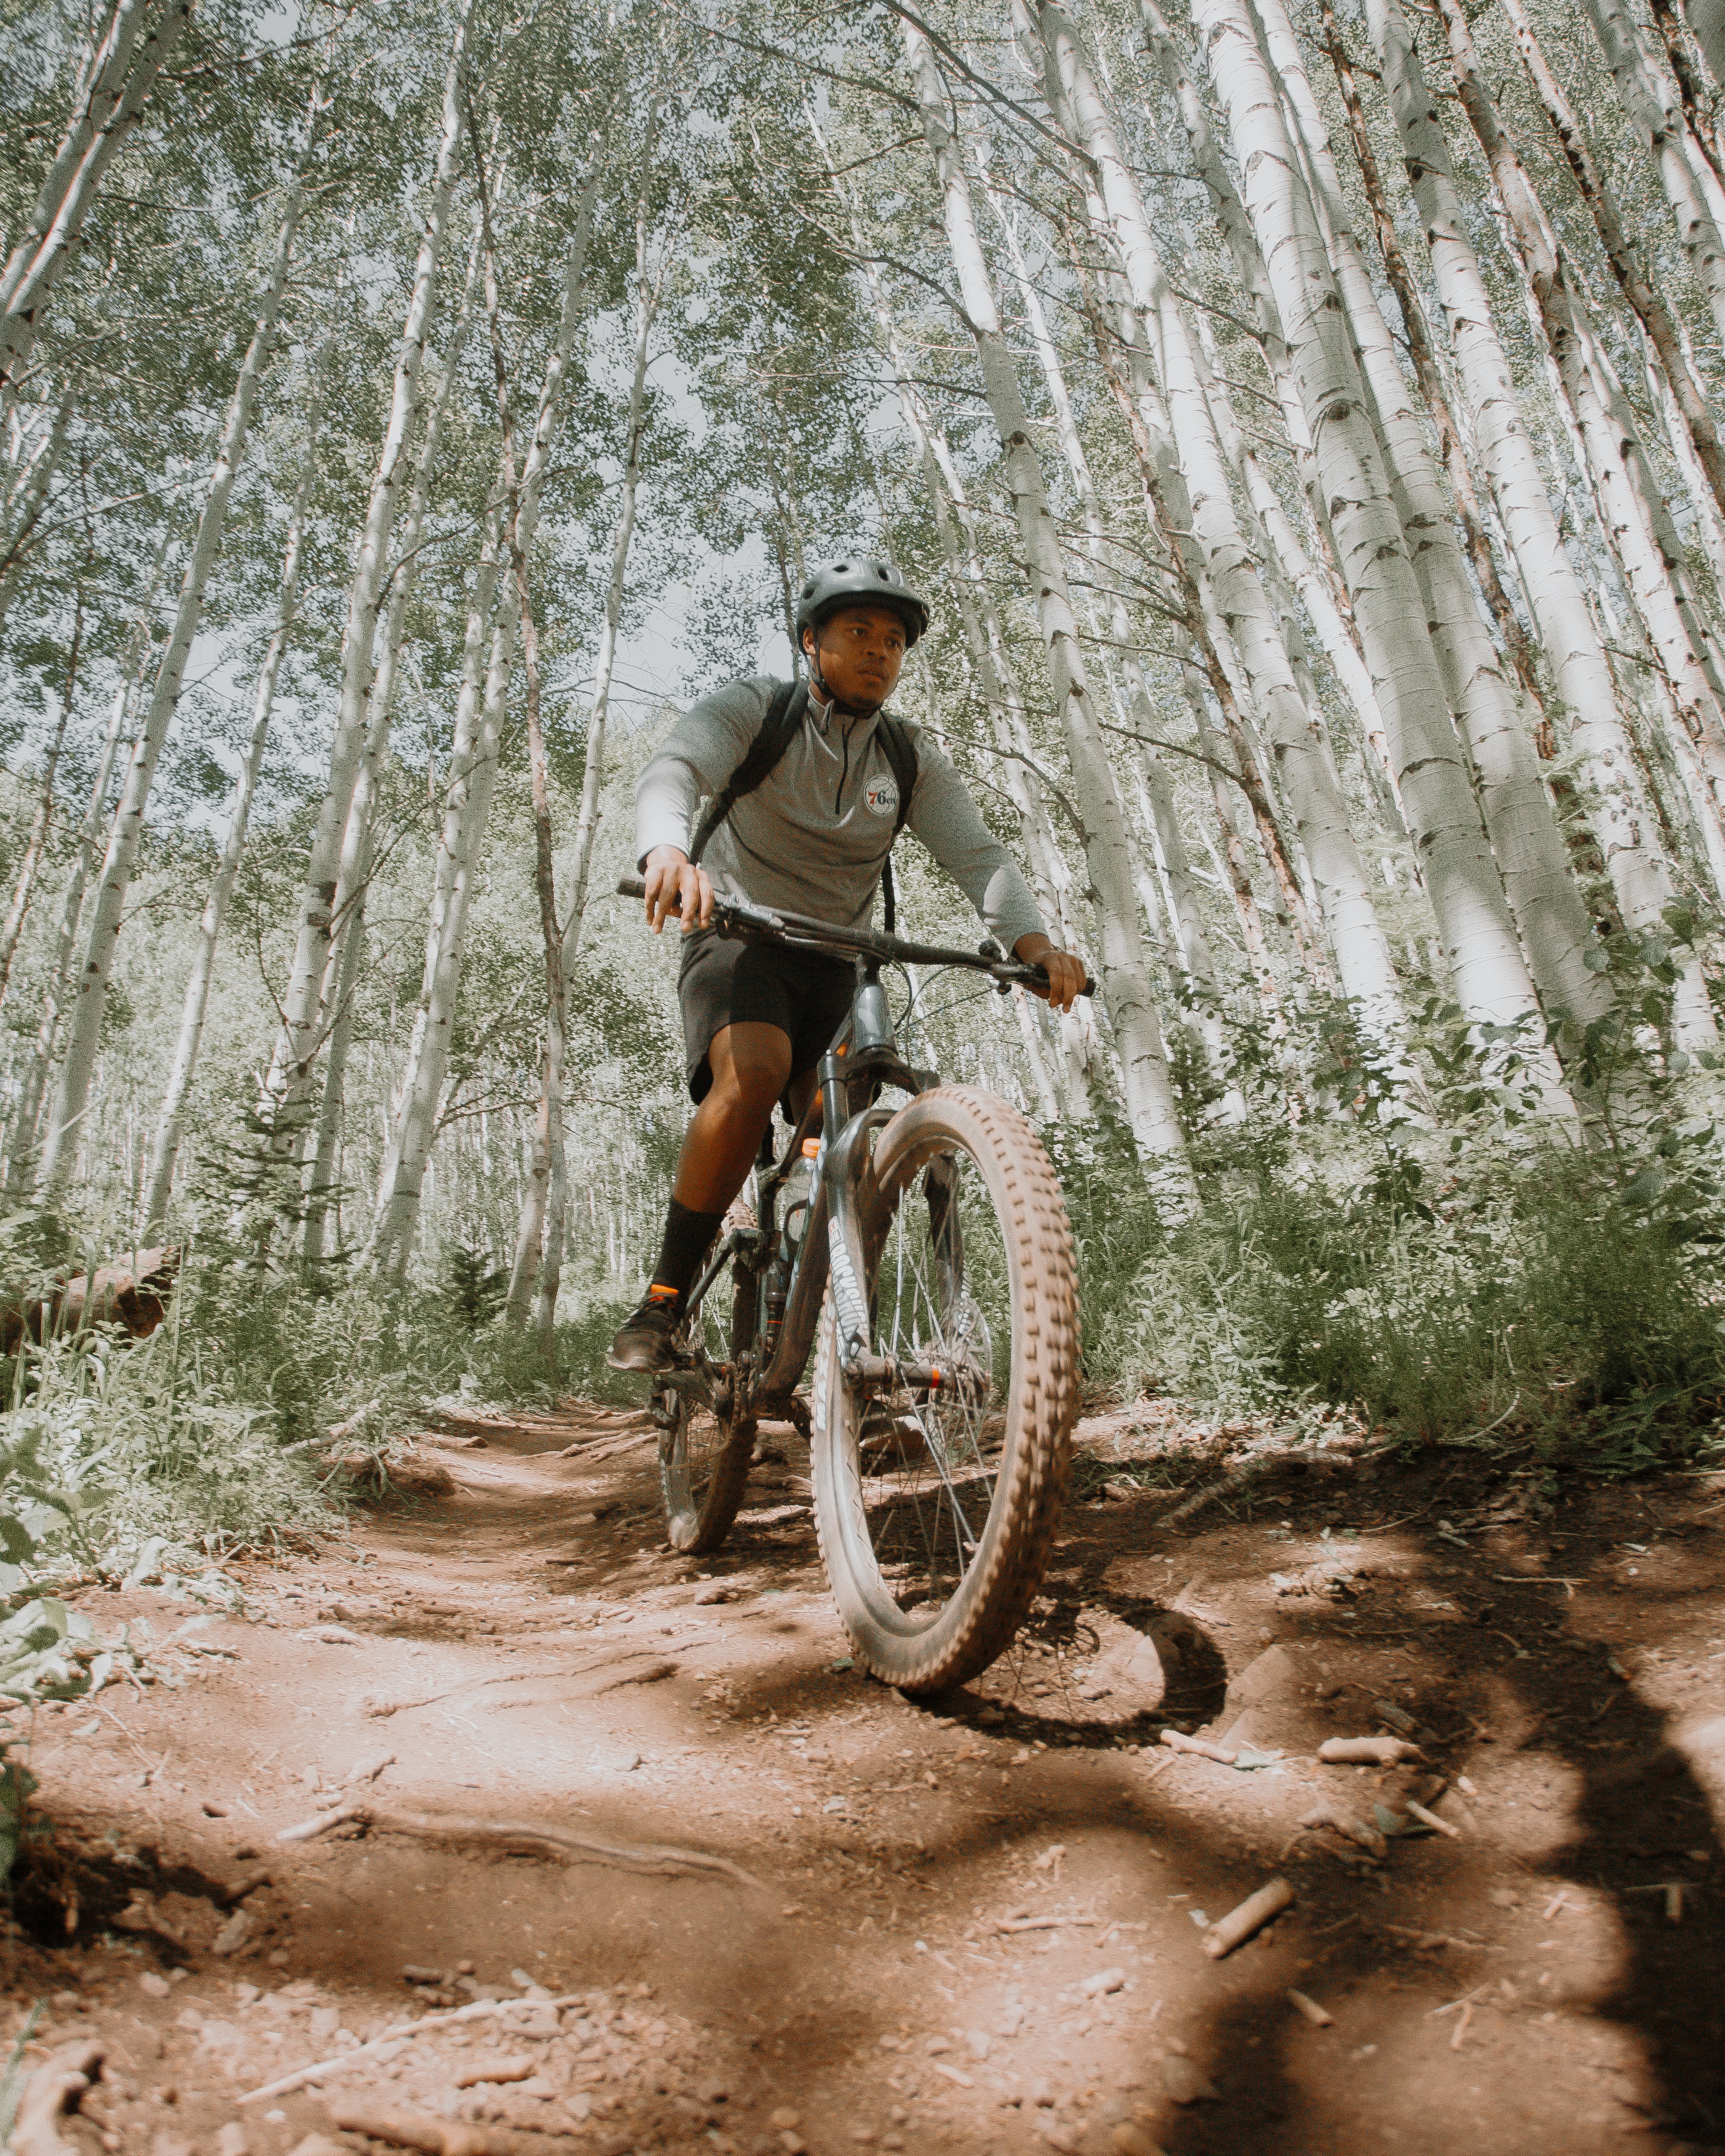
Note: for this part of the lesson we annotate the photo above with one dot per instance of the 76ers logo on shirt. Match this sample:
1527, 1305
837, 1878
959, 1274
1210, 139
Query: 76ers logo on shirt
880, 797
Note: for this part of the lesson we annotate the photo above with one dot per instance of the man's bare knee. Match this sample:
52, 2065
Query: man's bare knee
750, 1066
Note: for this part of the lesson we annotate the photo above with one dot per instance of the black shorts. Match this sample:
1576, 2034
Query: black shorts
723, 981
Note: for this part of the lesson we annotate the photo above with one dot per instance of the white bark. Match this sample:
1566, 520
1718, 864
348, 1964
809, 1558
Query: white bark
1151, 1108
26, 496
120, 69
72, 1095
296, 1045
1621, 818
1650, 98
1490, 974
164, 1153
1308, 778
1532, 857
649, 292
1136, 706
478, 726
538, 1263
347, 939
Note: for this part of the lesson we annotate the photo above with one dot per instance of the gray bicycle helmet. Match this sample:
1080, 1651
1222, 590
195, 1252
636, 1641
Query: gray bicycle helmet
860, 580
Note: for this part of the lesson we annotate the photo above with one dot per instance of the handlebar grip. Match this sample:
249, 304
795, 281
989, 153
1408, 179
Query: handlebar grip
631, 887
1041, 973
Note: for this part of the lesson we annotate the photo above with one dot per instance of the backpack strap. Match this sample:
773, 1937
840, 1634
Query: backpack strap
778, 730
901, 750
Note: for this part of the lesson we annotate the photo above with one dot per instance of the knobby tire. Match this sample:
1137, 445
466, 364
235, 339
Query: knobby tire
998, 1301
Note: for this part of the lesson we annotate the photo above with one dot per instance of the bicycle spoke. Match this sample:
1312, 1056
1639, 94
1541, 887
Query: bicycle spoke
926, 1477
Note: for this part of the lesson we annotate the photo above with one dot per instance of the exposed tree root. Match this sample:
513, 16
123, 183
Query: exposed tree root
513, 1834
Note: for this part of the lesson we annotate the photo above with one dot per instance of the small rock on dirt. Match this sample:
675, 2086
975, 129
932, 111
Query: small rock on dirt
1187, 2082
231, 2141
516, 2066
152, 1985
1105, 1980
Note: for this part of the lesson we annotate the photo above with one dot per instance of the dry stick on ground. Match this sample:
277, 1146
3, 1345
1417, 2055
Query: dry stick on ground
1234, 1479
556, 1841
440, 2136
482, 2009
1251, 1915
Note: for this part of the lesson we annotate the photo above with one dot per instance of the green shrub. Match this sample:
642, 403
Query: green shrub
1574, 1300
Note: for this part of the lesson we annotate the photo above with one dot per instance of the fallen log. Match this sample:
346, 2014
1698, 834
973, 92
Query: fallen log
133, 1296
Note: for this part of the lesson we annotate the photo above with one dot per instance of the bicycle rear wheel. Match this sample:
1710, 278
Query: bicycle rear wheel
936, 1505
704, 1456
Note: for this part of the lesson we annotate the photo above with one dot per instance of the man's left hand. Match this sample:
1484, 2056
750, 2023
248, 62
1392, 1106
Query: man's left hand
1065, 974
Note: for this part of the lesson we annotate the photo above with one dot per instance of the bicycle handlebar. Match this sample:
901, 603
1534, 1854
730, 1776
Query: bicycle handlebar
735, 917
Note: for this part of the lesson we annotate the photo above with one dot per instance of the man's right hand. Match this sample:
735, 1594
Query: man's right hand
677, 890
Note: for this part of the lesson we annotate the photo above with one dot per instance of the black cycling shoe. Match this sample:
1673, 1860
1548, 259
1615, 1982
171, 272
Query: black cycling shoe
644, 1340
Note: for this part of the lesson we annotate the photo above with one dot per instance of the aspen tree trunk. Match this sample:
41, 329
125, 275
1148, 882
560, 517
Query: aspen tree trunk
72, 1095
955, 525
1606, 436
296, 1045
472, 775
545, 1209
471, 772
649, 294
164, 1153
1232, 868
1691, 83
1168, 514
1640, 877
1532, 857
1647, 98
991, 662
27, 498
134, 655
1627, 264
1150, 1102
1320, 815
341, 974
114, 83
1136, 706
1491, 976
24, 884
1427, 374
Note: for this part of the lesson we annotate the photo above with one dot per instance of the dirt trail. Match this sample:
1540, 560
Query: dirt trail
977, 1926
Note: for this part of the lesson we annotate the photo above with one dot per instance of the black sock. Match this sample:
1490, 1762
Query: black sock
688, 1237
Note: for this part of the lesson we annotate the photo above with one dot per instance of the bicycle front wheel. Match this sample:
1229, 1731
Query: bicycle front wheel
937, 1504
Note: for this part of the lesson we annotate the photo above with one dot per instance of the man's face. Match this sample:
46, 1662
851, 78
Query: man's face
861, 649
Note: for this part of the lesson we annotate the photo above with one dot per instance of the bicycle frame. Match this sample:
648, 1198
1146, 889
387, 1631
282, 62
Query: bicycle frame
846, 1210
843, 1208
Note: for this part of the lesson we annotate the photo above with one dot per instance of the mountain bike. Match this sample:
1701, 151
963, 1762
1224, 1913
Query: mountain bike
932, 1257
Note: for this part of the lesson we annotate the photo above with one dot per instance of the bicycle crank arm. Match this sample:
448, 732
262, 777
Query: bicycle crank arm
694, 1384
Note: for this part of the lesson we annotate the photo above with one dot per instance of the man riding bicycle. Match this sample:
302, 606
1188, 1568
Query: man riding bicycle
808, 798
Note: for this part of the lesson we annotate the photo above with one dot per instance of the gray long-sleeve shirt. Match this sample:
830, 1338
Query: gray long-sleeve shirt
814, 836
